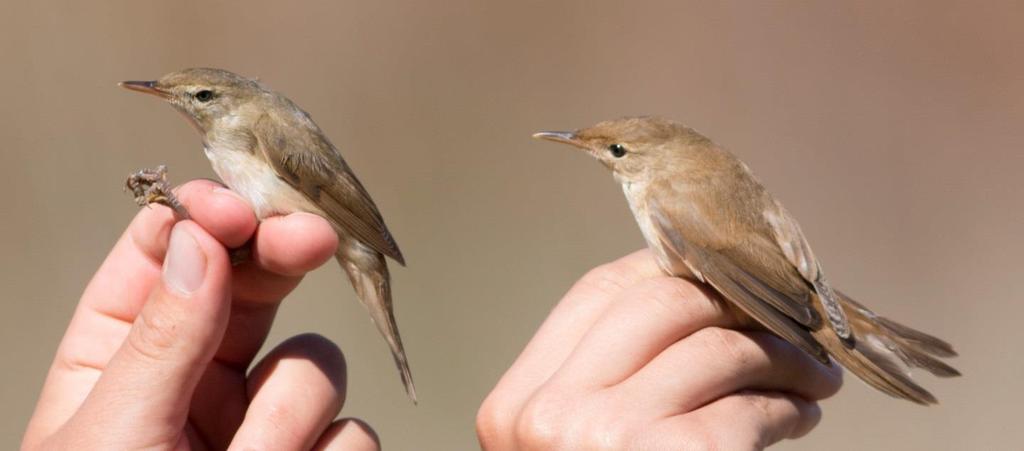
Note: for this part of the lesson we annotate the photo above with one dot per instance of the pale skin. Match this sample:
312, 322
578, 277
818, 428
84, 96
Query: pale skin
634, 359
157, 358
629, 358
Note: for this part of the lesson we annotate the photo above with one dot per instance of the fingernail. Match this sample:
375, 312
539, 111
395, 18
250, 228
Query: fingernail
185, 264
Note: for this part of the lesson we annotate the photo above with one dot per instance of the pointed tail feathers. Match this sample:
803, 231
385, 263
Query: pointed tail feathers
884, 351
373, 287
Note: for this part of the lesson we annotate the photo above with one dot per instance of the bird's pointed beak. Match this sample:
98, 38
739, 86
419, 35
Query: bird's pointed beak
561, 137
148, 87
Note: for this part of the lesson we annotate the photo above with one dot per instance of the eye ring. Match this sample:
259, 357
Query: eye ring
617, 150
204, 96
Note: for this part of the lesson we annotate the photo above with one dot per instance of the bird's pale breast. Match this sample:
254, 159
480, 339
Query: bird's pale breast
252, 178
636, 195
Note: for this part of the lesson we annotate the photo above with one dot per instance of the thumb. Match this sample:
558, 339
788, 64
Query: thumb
144, 393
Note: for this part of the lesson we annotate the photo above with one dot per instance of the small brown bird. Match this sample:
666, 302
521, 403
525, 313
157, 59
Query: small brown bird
268, 150
707, 218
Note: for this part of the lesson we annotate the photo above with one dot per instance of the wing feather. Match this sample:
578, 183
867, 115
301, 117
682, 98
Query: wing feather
315, 167
784, 290
794, 246
781, 313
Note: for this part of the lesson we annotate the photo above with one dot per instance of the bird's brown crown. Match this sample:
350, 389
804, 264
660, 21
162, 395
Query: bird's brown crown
204, 76
640, 131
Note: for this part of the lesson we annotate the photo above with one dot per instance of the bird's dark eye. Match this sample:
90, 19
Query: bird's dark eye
205, 95
617, 150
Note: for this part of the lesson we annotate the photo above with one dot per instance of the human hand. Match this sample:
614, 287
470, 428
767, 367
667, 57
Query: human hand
157, 351
633, 359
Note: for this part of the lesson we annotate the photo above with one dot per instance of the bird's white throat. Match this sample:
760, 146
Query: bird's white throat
636, 195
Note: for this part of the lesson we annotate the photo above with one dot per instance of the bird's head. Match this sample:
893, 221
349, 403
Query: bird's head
203, 95
632, 146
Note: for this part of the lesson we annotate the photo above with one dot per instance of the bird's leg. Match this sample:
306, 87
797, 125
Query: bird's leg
150, 186
241, 254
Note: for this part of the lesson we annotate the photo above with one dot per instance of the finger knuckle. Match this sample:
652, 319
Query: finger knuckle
608, 433
154, 336
670, 295
542, 423
697, 436
555, 422
760, 406
494, 419
729, 345
607, 278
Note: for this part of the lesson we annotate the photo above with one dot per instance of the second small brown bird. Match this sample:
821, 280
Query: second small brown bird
269, 151
707, 218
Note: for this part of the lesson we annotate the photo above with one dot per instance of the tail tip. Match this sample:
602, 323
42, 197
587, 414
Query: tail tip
410, 390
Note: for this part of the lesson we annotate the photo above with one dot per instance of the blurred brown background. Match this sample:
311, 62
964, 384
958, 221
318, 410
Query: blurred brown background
892, 131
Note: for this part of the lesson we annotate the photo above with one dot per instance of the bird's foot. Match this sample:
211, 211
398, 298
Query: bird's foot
150, 186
